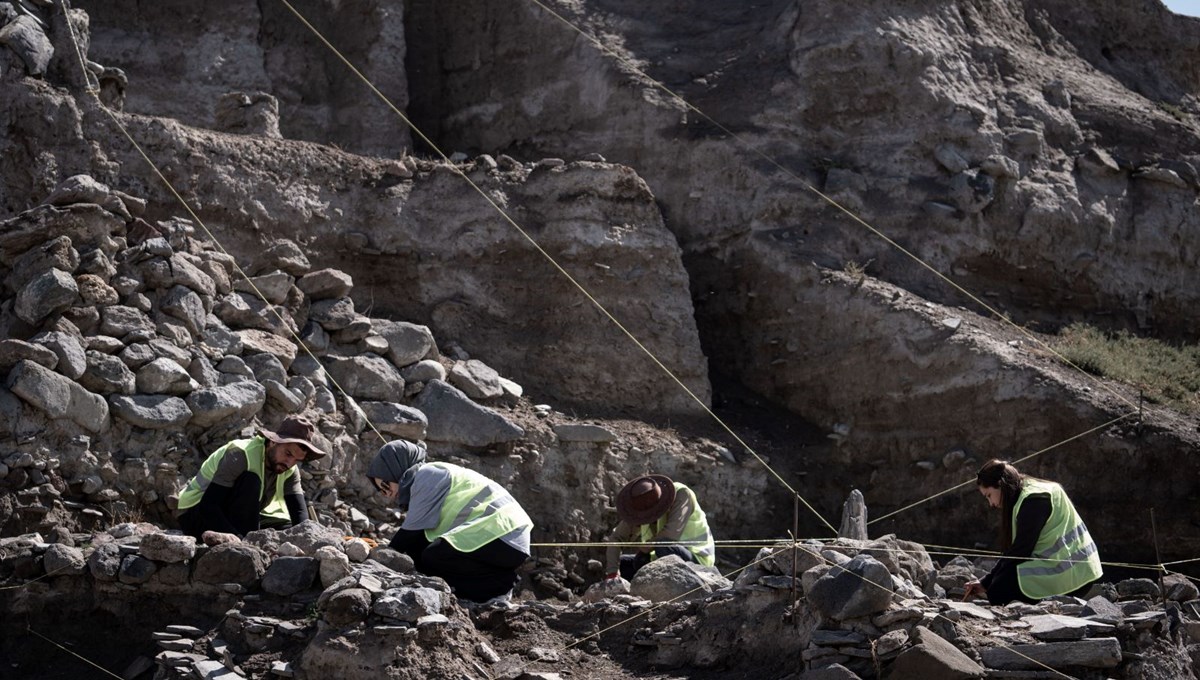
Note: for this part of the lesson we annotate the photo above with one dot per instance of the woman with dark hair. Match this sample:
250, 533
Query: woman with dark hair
1047, 548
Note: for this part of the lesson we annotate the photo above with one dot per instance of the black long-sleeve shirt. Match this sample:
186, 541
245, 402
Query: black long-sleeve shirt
1032, 518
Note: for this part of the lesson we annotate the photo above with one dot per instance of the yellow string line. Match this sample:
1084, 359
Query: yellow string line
282, 322
1019, 460
77, 656
749, 147
596, 303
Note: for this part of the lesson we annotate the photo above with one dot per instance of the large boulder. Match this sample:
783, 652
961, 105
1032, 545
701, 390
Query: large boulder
169, 548
408, 343
51, 293
671, 577
239, 563
454, 418
290, 575
860, 587
57, 396
392, 418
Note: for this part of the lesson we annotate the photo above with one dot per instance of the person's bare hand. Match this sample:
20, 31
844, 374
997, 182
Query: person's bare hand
972, 589
218, 538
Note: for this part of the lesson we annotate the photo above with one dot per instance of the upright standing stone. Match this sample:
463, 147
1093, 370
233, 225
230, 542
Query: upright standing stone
854, 517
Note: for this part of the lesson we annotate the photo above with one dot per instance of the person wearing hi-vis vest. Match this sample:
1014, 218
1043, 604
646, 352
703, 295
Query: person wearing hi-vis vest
458, 525
250, 484
1047, 548
663, 515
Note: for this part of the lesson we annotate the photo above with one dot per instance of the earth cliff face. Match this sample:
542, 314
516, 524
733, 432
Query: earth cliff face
1041, 155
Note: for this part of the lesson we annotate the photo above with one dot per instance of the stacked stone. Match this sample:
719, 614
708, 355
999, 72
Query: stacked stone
130, 345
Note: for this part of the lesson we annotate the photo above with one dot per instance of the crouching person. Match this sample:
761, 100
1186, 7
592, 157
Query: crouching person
459, 525
665, 517
250, 484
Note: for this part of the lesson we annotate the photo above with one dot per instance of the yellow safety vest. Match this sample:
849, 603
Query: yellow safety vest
476, 511
1065, 557
696, 537
255, 449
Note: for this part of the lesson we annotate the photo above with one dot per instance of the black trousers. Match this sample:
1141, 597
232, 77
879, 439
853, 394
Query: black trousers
631, 563
1004, 589
229, 510
476, 576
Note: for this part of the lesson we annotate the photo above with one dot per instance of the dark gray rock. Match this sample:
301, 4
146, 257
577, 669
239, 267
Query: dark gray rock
285, 256
184, 304
367, 377
476, 379
408, 343
273, 286
347, 607
48, 294
933, 658
333, 315
392, 559
239, 563
108, 374
582, 432
71, 358
237, 401
454, 418
63, 560
14, 351
57, 396
670, 577
266, 367
121, 320
136, 570
861, 587
137, 355
218, 336
397, 419
25, 37
105, 562
325, 284
164, 376
1090, 653
151, 411
409, 604
290, 575
163, 274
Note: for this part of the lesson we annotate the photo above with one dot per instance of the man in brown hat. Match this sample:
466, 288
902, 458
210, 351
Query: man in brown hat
664, 516
250, 484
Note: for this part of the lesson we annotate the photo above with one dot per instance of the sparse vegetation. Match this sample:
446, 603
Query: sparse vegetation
1167, 374
1173, 111
856, 270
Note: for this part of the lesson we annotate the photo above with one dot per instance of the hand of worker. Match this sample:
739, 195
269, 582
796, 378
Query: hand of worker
217, 538
972, 589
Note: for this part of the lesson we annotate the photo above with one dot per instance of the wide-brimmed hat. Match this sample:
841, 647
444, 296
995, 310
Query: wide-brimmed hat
645, 499
297, 430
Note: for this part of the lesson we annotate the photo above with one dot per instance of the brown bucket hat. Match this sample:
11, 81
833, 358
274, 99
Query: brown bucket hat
645, 499
297, 430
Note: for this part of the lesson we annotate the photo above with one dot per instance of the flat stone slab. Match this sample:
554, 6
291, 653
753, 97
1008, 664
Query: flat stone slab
970, 609
1093, 653
1058, 627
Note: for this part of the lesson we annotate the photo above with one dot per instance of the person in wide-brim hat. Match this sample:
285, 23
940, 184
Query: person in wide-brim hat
251, 484
664, 516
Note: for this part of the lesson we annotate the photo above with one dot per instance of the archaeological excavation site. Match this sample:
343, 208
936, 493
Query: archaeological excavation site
559, 340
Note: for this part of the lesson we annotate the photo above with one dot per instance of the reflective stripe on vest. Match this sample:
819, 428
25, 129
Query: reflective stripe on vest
255, 450
695, 537
1065, 557
476, 511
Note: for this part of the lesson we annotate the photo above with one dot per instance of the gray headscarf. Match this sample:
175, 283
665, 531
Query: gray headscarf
398, 461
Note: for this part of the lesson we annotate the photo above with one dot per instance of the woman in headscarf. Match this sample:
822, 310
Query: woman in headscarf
459, 525
1047, 548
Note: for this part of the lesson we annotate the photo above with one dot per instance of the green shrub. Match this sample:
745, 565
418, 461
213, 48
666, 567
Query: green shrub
1165, 373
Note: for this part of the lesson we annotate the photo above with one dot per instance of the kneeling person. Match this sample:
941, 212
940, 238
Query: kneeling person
666, 517
250, 484
459, 525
